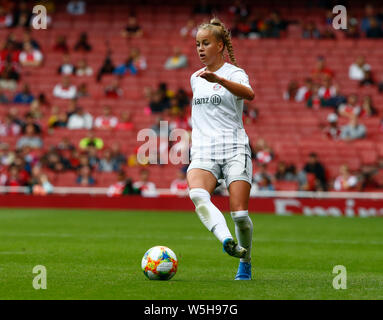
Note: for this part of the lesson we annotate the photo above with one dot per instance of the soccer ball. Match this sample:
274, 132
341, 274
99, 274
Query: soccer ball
159, 263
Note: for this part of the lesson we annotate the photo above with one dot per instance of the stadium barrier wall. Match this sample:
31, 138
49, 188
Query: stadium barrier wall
285, 203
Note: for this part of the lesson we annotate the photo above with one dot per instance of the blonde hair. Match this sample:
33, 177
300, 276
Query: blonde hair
221, 33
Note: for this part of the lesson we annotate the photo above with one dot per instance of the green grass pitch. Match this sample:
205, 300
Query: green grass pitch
92, 254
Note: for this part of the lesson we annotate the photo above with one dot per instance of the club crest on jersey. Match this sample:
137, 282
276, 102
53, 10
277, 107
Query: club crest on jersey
217, 86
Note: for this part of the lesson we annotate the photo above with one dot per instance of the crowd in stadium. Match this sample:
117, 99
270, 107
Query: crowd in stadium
25, 163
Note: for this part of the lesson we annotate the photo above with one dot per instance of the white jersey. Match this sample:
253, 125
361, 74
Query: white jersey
217, 127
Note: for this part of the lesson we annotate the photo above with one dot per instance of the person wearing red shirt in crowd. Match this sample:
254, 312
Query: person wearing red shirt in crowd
61, 45
321, 71
345, 181
113, 90
107, 120
125, 122
179, 186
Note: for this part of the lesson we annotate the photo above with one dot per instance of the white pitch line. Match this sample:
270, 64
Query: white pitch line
205, 238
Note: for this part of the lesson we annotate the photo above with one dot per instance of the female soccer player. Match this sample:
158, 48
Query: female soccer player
220, 146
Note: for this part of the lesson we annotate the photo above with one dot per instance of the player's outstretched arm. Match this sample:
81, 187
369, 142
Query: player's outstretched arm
235, 88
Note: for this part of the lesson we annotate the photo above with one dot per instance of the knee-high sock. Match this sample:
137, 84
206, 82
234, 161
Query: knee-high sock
209, 214
243, 231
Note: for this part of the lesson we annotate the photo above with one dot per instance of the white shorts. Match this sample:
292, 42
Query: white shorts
238, 167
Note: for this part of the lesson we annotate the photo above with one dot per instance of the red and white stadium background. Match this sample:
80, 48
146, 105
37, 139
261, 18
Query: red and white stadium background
281, 203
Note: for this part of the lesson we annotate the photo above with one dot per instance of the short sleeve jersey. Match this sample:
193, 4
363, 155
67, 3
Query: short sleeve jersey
217, 127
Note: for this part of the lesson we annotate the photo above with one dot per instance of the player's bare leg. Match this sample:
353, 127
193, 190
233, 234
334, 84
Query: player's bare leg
239, 200
202, 184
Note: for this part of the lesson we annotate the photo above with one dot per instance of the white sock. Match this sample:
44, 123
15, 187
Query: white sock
209, 214
243, 231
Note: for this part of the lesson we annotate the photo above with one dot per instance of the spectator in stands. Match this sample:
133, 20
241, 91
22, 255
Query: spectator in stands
368, 79
134, 63
327, 90
27, 121
177, 61
81, 119
305, 91
256, 26
345, 181
350, 108
84, 176
239, 9
285, 172
65, 90
107, 120
13, 177
113, 90
315, 167
354, 130
57, 119
91, 141
93, 156
82, 68
125, 122
39, 183
292, 89
262, 152
132, 29
147, 188
241, 28
274, 25
310, 31
8, 127
179, 186
369, 13
61, 45
8, 76
41, 100
82, 43
375, 30
367, 110
118, 157
314, 101
30, 57
366, 177
358, 69
352, 31
263, 179
107, 67
123, 186
106, 162
67, 67
30, 138
6, 19
76, 7
332, 130
24, 96
321, 70
22, 15
3, 97
27, 37
250, 113
190, 29
157, 103
82, 90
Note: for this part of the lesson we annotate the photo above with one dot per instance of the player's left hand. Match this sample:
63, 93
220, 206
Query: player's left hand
208, 75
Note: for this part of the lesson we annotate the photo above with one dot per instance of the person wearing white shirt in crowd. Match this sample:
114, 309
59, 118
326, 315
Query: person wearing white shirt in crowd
30, 57
358, 69
147, 188
179, 186
67, 67
177, 60
345, 181
303, 90
80, 120
65, 90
